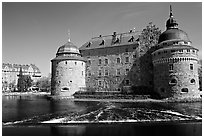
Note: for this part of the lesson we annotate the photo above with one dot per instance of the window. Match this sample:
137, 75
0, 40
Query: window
165, 51
89, 73
134, 47
131, 39
66, 62
181, 50
188, 50
65, 89
106, 72
99, 61
192, 81
172, 51
134, 56
126, 59
126, 50
102, 42
126, 71
171, 67
100, 83
99, 73
106, 61
118, 72
184, 90
191, 66
75, 63
158, 53
173, 81
82, 73
127, 82
185, 42
89, 62
118, 60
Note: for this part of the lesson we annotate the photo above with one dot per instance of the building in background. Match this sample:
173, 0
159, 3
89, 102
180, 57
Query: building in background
10, 74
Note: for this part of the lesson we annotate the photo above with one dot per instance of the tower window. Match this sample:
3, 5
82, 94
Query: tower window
173, 81
106, 61
99, 61
118, 60
66, 62
184, 90
192, 81
89, 62
171, 67
191, 66
181, 50
126, 59
188, 50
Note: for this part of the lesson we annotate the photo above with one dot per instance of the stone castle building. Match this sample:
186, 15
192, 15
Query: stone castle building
10, 73
175, 63
135, 61
118, 61
68, 71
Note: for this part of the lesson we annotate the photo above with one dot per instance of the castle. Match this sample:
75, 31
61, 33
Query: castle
145, 61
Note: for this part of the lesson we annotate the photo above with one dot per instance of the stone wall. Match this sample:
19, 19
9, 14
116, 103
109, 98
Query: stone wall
137, 72
68, 76
173, 82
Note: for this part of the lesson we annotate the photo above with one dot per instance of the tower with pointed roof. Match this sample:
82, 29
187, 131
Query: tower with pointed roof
68, 70
175, 63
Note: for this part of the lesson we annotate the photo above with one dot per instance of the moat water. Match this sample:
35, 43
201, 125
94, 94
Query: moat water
39, 116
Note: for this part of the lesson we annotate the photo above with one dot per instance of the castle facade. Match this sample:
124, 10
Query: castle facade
165, 63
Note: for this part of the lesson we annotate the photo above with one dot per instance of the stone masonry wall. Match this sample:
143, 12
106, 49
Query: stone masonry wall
68, 76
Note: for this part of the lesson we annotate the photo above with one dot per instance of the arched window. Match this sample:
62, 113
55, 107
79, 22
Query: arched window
192, 81
184, 90
173, 81
118, 60
65, 88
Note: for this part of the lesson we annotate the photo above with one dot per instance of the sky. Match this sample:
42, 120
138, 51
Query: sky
32, 32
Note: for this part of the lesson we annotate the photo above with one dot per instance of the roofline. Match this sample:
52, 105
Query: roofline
102, 47
116, 34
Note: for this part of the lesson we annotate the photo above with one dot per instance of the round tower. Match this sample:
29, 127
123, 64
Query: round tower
175, 64
68, 71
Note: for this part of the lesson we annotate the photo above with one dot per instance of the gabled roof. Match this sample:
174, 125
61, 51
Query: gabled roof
124, 39
24, 67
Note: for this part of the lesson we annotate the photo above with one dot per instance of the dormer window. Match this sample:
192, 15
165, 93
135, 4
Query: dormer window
131, 39
117, 41
102, 42
89, 44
